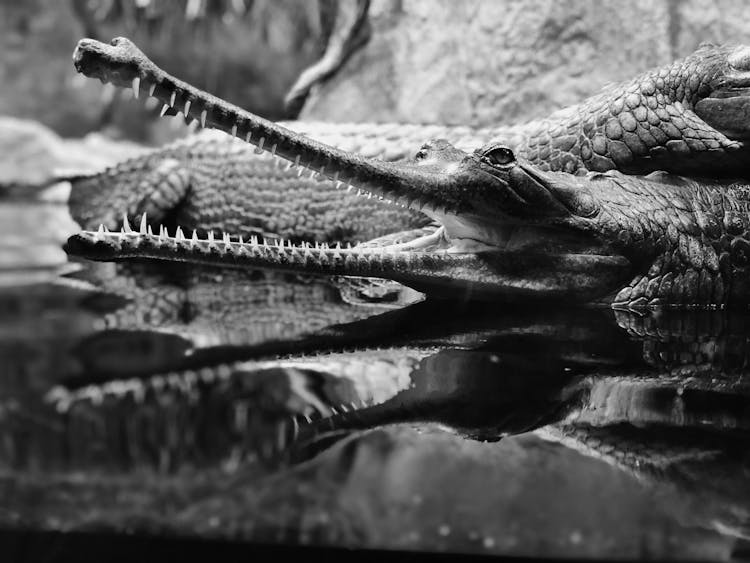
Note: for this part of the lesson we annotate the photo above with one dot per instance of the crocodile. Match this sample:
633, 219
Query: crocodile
684, 117
506, 228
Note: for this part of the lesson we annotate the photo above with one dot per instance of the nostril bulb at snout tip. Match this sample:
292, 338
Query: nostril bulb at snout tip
740, 58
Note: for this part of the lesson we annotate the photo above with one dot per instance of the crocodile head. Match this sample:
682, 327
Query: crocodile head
506, 229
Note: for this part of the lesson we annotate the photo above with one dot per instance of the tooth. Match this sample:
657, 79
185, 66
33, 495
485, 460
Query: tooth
150, 232
259, 148
349, 188
125, 225
338, 185
152, 89
234, 130
297, 159
179, 234
254, 240
210, 236
335, 177
273, 150
162, 232
136, 86
99, 233
173, 98
203, 118
186, 111
194, 238
164, 109
248, 137
144, 223
241, 241
225, 238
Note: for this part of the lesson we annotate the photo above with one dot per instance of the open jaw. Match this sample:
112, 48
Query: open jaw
504, 228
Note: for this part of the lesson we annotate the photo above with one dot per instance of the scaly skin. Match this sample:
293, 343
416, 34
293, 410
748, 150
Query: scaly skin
643, 125
508, 230
630, 241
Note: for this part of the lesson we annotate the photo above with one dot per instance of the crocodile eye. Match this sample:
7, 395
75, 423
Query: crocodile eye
500, 156
421, 154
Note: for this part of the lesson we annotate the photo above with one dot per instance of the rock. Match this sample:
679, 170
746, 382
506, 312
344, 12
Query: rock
484, 62
33, 155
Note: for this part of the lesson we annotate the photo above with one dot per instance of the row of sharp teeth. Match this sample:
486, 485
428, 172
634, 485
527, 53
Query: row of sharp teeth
259, 149
259, 242
63, 398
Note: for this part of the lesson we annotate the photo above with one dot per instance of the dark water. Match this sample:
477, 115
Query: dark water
188, 402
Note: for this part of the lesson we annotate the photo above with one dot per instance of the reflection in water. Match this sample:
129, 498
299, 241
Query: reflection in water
200, 401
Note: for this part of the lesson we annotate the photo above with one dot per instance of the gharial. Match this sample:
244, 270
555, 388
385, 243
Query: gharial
510, 225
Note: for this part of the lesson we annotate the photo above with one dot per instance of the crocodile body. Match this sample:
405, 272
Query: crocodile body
659, 121
507, 228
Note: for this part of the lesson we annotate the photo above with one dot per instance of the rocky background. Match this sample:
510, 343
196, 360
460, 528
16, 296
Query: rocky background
474, 62
479, 62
